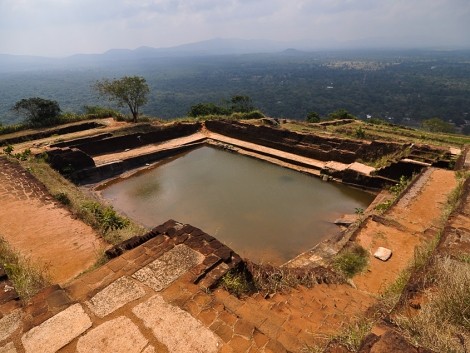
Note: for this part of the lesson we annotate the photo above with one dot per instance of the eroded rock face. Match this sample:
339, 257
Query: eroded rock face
69, 160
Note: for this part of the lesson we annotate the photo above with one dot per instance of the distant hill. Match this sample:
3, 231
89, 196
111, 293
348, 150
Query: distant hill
217, 46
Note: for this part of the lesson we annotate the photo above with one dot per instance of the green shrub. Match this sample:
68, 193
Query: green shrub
63, 198
255, 114
351, 261
106, 217
399, 187
23, 156
236, 282
8, 150
360, 133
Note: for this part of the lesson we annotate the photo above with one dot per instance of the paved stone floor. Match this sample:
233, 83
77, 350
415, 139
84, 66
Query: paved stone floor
155, 298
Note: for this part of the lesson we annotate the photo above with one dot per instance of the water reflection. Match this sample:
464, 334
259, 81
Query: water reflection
262, 211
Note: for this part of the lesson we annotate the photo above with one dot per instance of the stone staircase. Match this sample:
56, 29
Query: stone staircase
300, 319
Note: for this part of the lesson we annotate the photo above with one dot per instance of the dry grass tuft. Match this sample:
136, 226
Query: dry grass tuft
443, 322
27, 278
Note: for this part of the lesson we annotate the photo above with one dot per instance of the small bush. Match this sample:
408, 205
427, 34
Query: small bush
360, 133
23, 156
106, 217
255, 114
383, 206
236, 282
351, 261
8, 150
63, 198
399, 187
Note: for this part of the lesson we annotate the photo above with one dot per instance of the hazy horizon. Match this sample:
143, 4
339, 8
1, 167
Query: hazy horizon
60, 28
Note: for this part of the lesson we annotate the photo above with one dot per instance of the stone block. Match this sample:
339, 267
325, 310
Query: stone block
162, 272
57, 332
9, 323
8, 348
116, 295
120, 335
223, 252
383, 253
58, 299
162, 318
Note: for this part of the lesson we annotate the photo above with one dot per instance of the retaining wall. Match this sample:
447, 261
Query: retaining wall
307, 145
121, 143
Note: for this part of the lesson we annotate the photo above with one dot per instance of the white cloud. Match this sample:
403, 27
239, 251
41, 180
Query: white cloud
61, 27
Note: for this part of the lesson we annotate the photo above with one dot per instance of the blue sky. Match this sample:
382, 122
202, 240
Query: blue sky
65, 27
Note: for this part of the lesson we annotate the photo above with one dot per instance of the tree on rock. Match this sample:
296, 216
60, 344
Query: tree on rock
38, 111
130, 91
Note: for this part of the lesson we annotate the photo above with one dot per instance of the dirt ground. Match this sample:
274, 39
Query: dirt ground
40, 229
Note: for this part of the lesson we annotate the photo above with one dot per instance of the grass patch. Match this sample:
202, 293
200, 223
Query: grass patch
105, 217
443, 322
27, 278
396, 190
350, 337
392, 294
351, 261
237, 282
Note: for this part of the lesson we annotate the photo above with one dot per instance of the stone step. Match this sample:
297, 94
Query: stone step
269, 322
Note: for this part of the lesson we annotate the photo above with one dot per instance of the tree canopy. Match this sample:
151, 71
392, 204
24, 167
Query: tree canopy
341, 114
437, 125
313, 117
237, 104
38, 111
241, 104
204, 109
130, 91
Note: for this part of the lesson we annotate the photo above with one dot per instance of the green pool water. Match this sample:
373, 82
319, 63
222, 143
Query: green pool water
262, 211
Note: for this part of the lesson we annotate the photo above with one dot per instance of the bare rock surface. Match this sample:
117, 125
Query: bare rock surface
9, 323
162, 318
8, 348
120, 335
58, 331
114, 296
161, 272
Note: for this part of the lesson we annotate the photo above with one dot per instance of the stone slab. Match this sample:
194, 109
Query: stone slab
57, 331
8, 348
383, 253
120, 335
9, 323
162, 272
361, 168
116, 295
346, 220
191, 336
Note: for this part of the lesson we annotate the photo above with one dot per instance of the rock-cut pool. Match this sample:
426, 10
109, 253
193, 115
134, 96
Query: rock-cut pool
262, 211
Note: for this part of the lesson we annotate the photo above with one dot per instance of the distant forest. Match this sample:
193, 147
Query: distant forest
402, 86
